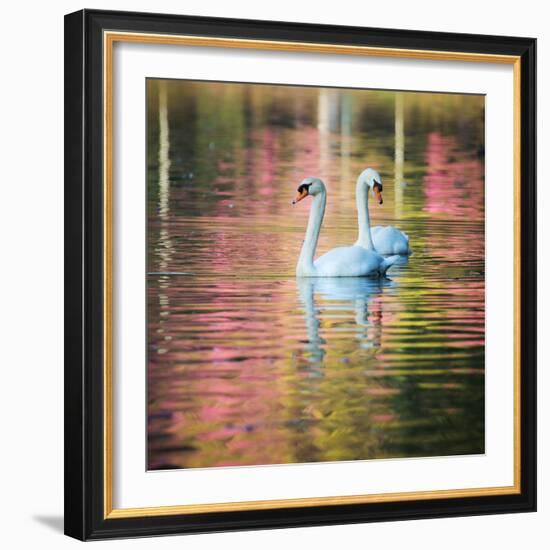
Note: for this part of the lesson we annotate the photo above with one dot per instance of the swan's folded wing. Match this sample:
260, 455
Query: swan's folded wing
388, 241
349, 261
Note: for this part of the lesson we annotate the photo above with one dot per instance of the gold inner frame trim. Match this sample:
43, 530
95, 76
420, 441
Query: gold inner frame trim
109, 39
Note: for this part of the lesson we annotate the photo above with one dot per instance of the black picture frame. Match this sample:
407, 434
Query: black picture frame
84, 281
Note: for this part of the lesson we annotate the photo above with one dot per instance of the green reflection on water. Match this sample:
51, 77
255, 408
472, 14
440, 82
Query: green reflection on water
246, 364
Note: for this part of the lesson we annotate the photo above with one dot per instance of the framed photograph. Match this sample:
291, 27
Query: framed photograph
300, 274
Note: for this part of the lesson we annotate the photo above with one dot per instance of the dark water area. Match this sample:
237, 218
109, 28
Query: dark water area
248, 364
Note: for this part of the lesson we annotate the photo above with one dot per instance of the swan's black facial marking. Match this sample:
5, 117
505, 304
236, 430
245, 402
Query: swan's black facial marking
304, 188
377, 191
303, 192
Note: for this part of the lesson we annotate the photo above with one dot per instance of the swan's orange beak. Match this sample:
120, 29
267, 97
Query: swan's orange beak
377, 192
301, 195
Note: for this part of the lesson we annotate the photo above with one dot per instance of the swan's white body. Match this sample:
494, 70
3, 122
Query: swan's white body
345, 261
348, 261
389, 240
384, 240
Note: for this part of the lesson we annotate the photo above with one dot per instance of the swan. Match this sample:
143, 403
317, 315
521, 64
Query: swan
384, 240
345, 261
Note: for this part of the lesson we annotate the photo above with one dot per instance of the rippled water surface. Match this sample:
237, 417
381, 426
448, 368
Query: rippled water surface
249, 365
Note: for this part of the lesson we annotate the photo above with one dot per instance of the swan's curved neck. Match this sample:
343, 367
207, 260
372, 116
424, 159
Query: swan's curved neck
305, 261
362, 201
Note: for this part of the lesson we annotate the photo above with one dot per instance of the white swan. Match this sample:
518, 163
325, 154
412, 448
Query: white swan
345, 261
384, 240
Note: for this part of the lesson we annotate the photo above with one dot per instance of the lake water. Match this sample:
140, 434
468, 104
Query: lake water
249, 365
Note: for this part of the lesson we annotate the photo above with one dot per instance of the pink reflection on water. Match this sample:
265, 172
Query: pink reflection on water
454, 184
267, 157
307, 153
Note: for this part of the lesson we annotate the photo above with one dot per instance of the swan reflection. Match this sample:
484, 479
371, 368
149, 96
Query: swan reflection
341, 301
